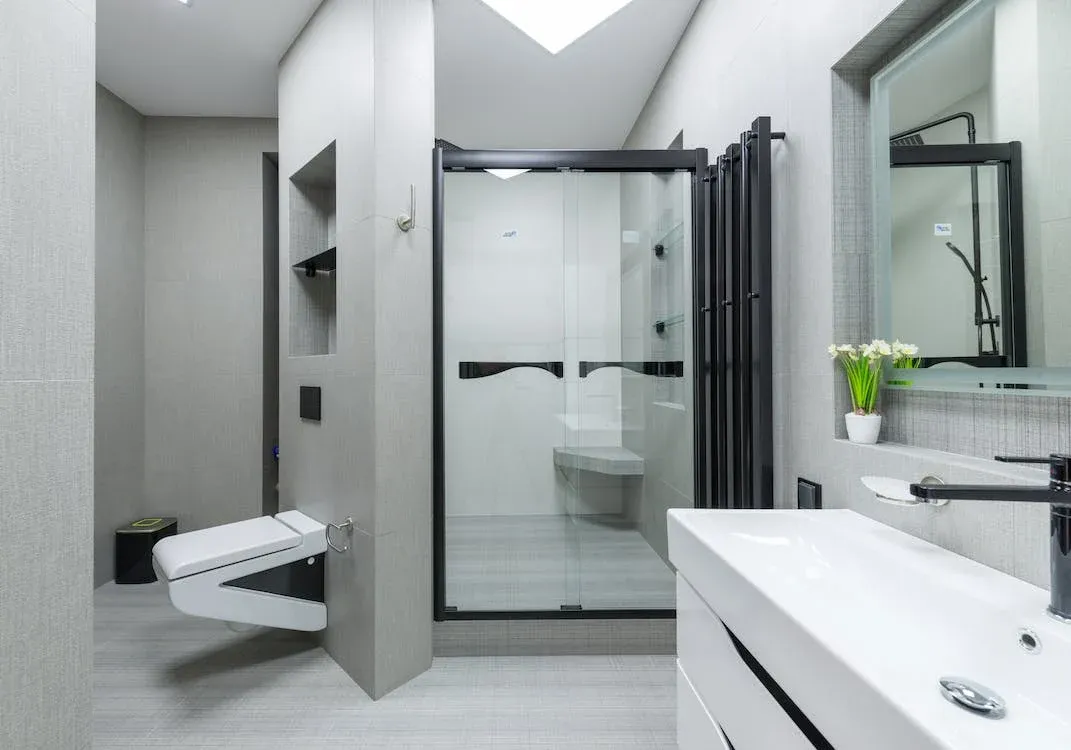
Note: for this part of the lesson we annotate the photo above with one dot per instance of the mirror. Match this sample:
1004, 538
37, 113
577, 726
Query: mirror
973, 198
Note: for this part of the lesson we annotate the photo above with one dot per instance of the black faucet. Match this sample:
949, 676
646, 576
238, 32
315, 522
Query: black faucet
1057, 493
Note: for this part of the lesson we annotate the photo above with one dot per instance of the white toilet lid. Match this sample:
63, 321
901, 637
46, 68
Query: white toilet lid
197, 551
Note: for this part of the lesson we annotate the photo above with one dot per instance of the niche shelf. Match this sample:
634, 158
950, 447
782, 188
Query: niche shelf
324, 262
313, 257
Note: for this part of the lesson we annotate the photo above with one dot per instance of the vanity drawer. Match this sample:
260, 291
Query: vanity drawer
696, 729
734, 697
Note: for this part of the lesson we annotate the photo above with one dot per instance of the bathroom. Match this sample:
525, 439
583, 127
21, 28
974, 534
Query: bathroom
266, 267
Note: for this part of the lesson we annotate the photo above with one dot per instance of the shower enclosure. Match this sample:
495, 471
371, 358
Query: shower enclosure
566, 390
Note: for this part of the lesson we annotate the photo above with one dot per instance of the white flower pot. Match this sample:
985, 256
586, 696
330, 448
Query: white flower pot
863, 428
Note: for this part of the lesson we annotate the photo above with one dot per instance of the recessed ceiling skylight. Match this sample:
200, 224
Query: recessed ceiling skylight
505, 174
556, 24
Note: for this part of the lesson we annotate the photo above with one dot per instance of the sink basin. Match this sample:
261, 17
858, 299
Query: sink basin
857, 622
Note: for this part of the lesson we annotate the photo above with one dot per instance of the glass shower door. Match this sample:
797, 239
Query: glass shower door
510, 544
628, 314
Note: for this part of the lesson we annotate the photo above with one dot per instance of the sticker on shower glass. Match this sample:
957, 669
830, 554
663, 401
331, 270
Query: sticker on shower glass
942, 230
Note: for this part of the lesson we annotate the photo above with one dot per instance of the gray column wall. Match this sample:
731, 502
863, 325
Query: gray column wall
204, 317
46, 372
361, 75
119, 403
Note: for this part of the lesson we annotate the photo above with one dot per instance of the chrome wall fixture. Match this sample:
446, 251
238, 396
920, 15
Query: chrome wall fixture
345, 528
407, 221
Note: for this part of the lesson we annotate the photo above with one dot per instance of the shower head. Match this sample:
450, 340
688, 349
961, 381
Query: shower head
911, 139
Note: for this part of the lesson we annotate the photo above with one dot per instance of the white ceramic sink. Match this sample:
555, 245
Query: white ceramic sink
858, 621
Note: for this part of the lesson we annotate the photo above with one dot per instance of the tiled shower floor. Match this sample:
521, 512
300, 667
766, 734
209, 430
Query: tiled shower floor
507, 563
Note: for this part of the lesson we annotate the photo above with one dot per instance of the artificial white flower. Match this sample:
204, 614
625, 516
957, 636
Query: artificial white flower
832, 351
900, 350
881, 347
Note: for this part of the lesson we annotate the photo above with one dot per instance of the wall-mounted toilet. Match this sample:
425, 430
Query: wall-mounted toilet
264, 571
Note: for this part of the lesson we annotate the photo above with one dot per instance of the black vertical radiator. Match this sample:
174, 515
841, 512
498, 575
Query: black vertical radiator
737, 298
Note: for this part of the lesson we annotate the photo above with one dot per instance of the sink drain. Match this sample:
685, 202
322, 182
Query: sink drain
970, 696
1029, 641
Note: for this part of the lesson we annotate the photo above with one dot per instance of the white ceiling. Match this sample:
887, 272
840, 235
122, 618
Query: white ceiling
497, 88
216, 58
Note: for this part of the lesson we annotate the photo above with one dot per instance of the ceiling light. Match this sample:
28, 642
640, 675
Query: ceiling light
505, 174
186, 2
556, 24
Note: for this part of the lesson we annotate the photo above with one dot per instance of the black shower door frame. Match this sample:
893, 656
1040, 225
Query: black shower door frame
461, 160
1009, 158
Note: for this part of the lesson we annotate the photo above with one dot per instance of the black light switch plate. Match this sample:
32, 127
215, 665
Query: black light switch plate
808, 495
309, 401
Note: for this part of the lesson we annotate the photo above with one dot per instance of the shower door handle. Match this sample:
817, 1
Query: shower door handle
476, 370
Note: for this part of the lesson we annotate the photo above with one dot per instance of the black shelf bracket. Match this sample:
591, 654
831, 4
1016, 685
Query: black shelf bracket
326, 261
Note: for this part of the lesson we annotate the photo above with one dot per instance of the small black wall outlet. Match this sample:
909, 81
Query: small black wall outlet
808, 495
309, 402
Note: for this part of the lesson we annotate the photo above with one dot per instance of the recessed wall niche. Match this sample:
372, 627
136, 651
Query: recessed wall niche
313, 257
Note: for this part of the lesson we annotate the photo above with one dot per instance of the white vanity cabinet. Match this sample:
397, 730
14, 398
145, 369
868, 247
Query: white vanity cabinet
715, 683
804, 630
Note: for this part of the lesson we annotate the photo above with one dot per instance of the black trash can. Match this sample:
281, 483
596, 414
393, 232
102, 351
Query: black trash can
133, 548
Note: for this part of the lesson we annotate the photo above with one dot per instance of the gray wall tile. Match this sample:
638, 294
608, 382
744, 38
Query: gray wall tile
203, 318
369, 458
119, 409
46, 483
46, 311
46, 372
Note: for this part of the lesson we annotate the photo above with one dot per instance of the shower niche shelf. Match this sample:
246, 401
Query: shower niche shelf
324, 262
611, 460
313, 311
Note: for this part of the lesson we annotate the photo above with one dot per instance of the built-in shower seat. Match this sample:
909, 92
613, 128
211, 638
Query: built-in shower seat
264, 571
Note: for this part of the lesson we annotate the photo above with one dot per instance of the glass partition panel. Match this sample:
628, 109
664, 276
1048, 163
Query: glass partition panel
510, 544
631, 319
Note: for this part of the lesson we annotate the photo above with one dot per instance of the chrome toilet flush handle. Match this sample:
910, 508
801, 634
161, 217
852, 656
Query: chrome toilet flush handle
346, 527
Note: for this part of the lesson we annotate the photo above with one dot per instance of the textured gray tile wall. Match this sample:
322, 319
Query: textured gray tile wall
119, 402
780, 62
204, 317
404, 135
312, 299
362, 74
46, 372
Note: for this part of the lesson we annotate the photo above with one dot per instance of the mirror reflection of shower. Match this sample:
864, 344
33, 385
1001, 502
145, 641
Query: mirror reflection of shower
913, 137
958, 193
989, 320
